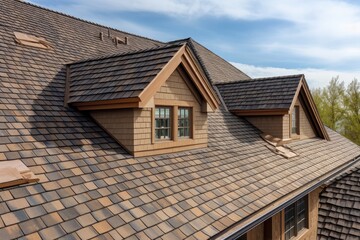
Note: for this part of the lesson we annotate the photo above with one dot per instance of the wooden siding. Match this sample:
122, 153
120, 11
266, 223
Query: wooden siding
256, 233
133, 128
174, 92
306, 129
119, 124
278, 223
280, 126
272, 125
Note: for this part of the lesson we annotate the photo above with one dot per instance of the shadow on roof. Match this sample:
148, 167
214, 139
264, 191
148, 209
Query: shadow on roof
54, 125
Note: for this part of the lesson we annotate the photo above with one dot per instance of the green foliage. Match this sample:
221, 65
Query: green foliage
339, 108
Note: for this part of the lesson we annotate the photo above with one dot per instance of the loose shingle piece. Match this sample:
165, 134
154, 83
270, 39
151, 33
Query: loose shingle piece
339, 208
260, 94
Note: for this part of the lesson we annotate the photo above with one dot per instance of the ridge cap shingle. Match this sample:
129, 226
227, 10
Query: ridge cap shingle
114, 55
263, 78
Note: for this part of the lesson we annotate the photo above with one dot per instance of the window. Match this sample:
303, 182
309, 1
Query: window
184, 122
296, 218
295, 120
162, 123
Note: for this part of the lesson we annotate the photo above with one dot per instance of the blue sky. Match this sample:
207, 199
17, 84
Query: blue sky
263, 38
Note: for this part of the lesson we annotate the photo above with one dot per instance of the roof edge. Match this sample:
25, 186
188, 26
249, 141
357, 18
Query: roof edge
262, 78
232, 235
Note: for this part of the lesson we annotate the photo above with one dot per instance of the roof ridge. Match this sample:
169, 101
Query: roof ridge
131, 52
262, 78
191, 40
84, 20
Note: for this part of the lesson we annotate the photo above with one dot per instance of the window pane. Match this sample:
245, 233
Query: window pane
294, 120
289, 221
162, 122
184, 122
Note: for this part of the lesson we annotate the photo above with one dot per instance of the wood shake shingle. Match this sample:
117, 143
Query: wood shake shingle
90, 187
339, 208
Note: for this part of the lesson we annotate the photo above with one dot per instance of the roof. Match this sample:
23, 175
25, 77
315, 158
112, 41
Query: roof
216, 68
90, 187
339, 208
118, 76
260, 93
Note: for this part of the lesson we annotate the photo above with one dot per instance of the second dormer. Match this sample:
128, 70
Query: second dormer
279, 106
151, 102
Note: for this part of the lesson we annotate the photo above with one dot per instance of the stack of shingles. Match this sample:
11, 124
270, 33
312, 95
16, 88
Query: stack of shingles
339, 209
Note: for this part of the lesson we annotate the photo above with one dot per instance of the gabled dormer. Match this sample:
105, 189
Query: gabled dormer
280, 106
152, 101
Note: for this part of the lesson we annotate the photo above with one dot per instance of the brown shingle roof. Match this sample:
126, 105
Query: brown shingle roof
118, 76
339, 208
90, 187
260, 93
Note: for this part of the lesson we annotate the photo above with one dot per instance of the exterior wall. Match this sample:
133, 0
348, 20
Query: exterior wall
286, 126
119, 124
280, 126
272, 125
278, 223
256, 233
306, 130
176, 93
134, 128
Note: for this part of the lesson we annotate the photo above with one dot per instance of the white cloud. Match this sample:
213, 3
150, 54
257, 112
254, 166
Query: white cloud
314, 77
326, 31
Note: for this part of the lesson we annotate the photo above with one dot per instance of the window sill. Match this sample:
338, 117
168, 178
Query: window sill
301, 234
295, 136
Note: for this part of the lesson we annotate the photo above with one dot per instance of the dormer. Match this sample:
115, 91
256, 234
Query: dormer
280, 106
151, 102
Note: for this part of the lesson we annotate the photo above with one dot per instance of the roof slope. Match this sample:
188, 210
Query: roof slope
90, 187
118, 76
260, 93
216, 68
339, 209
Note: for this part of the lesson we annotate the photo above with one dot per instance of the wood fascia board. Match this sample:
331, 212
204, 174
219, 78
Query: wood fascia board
262, 112
161, 77
107, 106
296, 95
199, 84
313, 110
67, 86
206, 87
105, 102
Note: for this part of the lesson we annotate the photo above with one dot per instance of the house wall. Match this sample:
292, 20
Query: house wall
280, 126
272, 125
119, 124
134, 128
278, 227
306, 129
256, 233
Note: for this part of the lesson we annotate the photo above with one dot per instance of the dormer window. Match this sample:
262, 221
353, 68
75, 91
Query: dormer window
163, 123
184, 122
295, 120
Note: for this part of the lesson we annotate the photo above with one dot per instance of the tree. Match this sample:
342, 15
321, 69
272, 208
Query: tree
333, 104
352, 112
339, 109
